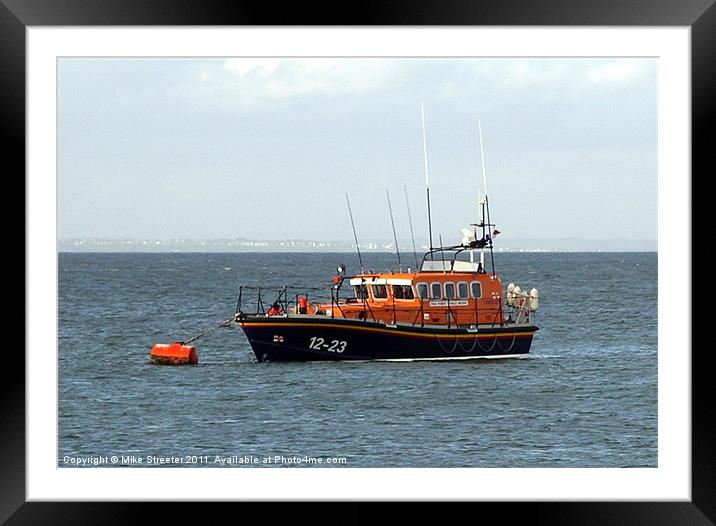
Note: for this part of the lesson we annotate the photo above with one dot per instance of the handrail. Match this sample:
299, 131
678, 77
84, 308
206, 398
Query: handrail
487, 316
457, 249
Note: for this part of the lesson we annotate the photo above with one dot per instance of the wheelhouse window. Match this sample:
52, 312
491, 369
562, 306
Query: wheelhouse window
361, 292
436, 291
379, 291
462, 290
422, 290
450, 290
476, 289
402, 292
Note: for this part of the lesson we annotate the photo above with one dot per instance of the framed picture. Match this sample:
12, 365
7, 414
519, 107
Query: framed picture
48, 50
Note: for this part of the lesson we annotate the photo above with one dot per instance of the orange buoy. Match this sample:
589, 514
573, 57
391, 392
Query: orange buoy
175, 353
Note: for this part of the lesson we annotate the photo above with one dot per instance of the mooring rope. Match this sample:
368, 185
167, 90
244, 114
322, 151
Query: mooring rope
224, 323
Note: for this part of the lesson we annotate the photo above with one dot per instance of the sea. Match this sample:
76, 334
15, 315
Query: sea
585, 397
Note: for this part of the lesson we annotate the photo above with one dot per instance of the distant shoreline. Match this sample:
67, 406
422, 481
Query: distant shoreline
515, 251
242, 245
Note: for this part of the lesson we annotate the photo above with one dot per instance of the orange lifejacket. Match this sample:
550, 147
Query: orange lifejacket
302, 307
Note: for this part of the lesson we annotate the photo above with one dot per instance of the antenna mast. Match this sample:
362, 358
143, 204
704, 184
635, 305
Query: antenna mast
392, 224
486, 205
427, 180
482, 158
360, 260
410, 220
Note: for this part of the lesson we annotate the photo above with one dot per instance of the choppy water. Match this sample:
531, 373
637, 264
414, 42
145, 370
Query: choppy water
586, 396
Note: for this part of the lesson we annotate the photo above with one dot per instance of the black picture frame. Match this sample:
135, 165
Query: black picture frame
699, 15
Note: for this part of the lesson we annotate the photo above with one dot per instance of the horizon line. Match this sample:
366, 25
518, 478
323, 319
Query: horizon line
540, 251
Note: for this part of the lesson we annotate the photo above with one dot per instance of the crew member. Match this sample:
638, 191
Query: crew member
302, 305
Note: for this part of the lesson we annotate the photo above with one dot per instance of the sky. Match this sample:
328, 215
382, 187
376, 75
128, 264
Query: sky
265, 148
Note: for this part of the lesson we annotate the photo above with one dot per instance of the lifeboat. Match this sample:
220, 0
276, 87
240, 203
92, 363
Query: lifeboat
449, 308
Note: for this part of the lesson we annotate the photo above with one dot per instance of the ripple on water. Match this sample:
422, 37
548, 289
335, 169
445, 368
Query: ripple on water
585, 397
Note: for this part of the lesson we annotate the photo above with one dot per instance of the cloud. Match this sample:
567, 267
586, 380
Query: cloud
242, 129
617, 71
583, 73
536, 71
248, 81
282, 78
243, 66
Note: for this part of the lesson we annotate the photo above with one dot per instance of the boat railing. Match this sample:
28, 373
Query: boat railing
272, 300
518, 316
282, 300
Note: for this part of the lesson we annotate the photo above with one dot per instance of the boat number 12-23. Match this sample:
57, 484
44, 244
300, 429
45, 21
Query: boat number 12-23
320, 344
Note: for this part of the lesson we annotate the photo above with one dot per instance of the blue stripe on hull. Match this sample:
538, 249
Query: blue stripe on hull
304, 342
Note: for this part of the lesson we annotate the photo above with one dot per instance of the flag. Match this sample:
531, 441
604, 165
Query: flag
495, 232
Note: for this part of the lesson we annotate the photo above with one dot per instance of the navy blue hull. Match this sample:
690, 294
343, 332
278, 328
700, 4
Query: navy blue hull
315, 338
